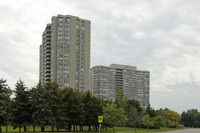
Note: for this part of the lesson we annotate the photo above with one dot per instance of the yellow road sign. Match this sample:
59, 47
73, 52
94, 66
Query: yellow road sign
100, 119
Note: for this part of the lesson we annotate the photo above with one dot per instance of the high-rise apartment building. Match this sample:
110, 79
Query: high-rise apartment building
65, 52
134, 83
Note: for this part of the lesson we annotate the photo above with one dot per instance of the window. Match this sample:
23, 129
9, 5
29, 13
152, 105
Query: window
60, 19
66, 24
66, 37
60, 29
60, 37
67, 19
60, 33
60, 42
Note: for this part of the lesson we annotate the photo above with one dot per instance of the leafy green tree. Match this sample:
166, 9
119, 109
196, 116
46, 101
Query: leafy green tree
159, 122
42, 114
5, 93
147, 121
173, 116
113, 116
191, 118
93, 108
21, 106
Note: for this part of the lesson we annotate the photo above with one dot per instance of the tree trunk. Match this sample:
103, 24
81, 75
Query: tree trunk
24, 128
0, 129
33, 128
135, 129
42, 129
97, 128
19, 129
89, 128
113, 129
6, 128
52, 128
69, 127
74, 128
79, 127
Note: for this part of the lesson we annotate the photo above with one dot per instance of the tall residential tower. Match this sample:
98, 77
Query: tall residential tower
65, 52
134, 83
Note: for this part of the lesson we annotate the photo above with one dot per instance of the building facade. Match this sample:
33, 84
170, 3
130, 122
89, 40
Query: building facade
134, 83
65, 52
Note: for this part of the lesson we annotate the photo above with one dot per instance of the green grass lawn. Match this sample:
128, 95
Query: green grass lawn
110, 130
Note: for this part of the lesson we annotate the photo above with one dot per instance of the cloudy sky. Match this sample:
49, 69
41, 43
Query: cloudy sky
161, 36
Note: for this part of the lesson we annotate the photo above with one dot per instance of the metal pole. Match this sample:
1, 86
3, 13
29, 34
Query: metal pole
99, 127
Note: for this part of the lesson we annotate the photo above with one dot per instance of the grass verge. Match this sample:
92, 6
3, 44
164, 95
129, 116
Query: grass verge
110, 130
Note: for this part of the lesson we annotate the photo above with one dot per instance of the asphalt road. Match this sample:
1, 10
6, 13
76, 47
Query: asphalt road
190, 130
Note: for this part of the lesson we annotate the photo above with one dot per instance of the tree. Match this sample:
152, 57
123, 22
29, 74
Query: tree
119, 98
114, 116
5, 93
191, 118
42, 114
21, 106
93, 108
173, 116
55, 101
133, 112
147, 121
159, 122
74, 107
133, 103
151, 112
78, 110
133, 116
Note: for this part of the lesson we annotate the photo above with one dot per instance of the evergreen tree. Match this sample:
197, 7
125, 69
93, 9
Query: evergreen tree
55, 102
119, 98
5, 93
93, 108
68, 95
42, 114
74, 107
21, 106
151, 112
133, 112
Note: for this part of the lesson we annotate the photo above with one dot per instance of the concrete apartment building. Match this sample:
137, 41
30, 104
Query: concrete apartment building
135, 83
65, 52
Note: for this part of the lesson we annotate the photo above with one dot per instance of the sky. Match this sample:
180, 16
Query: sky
160, 36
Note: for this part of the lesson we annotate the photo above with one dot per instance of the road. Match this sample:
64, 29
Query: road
190, 130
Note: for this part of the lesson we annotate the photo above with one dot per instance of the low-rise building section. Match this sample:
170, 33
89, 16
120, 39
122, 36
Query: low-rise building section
134, 83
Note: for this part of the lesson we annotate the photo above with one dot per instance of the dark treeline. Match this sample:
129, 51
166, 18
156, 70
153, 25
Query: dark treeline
48, 106
69, 109
191, 118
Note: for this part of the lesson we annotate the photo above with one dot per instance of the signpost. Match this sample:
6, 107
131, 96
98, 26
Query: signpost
100, 120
